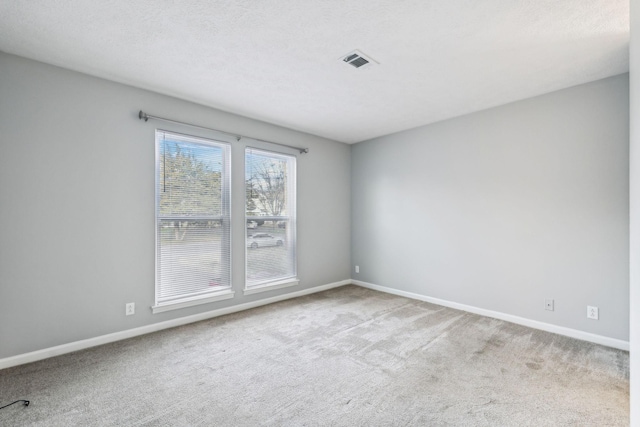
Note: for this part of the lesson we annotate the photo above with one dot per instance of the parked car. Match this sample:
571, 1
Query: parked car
263, 239
252, 224
282, 224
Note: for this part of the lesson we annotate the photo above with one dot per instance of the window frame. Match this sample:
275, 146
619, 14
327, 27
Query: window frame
290, 218
191, 299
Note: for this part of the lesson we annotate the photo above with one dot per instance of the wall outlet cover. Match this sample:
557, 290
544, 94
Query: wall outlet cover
548, 304
592, 312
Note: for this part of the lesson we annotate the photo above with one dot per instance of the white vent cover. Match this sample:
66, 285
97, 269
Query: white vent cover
358, 59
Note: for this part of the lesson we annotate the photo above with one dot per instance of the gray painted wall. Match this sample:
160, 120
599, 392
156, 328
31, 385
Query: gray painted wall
499, 209
634, 194
77, 204
503, 208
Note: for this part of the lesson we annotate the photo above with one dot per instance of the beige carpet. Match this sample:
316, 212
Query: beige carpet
345, 357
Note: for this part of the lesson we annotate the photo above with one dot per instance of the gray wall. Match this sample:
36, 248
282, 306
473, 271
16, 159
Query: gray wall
634, 194
503, 208
77, 204
499, 209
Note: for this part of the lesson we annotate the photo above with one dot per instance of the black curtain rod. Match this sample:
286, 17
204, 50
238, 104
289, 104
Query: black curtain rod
144, 116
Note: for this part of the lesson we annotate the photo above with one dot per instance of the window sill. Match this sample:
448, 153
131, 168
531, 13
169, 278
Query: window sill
271, 286
190, 302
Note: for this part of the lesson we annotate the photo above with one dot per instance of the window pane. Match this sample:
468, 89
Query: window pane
270, 253
192, 215
270, 217
189, 178
266, 185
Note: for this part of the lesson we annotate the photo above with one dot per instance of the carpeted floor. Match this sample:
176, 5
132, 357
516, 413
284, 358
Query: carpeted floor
344, 357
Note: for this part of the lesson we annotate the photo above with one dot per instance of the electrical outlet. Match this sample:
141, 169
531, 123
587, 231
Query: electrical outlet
130, 308
592, 312
357, 269
548, 304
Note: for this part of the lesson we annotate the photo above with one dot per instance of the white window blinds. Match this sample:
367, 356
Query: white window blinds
193, 247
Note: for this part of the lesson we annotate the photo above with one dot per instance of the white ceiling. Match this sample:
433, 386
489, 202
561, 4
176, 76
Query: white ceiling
278, 60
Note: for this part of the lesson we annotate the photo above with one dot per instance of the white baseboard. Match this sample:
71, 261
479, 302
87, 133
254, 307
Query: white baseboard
573, 333
130, 333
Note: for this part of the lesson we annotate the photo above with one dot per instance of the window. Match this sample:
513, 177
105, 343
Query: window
270, 219
193, 245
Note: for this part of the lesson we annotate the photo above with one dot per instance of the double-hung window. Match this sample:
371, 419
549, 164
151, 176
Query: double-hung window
270, 216
193, 233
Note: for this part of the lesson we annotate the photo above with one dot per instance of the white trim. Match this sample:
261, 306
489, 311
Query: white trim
190, 302
33, 356
130, 333
561, 330
271, 286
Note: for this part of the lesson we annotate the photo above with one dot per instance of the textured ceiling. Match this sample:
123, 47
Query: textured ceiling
278, 61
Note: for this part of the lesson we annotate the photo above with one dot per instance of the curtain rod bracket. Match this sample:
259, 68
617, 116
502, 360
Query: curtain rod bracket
144, 116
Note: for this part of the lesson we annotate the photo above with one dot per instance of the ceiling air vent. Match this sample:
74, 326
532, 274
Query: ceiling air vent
358, 60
